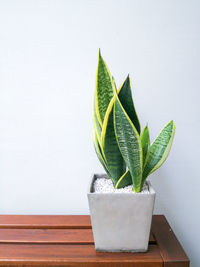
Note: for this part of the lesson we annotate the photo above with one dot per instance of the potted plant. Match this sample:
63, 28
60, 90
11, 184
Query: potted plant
121, 202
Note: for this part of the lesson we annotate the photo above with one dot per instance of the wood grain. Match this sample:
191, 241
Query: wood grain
50, 236
67, 240
171, 251
70, 255
45, 221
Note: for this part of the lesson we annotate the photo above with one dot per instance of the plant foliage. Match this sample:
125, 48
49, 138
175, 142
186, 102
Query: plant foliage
125, 153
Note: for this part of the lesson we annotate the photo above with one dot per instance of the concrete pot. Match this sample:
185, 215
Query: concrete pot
121, 221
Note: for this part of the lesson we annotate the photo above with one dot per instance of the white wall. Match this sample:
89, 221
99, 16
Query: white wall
48, 56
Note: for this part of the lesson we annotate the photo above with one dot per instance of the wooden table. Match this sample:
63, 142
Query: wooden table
43, 240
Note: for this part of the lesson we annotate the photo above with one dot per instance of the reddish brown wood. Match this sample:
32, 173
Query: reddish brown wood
50, 236
171, 251
27, 241
70, 255
53, 236
45, 221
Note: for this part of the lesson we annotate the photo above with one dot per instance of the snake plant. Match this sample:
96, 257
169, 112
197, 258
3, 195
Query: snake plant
124, 151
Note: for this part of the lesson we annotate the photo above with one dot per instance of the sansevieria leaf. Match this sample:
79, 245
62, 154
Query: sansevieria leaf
129, 143
99, 152
159, 149
96, 125
125, 96
103, 89
124, 180
145, 140
125, 152
110, 149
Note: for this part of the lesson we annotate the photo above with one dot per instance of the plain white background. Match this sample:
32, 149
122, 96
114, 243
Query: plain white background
48, 57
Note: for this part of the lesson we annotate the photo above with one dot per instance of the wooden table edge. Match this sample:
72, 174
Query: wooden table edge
170, 248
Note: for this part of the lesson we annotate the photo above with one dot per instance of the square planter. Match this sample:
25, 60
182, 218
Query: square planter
121, 221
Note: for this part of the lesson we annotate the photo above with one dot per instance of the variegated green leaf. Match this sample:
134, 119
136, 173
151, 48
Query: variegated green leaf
126, 100
129, 143
124, 180
103, 89
159, 149
99, 153
145, 140
96, 125
110, 149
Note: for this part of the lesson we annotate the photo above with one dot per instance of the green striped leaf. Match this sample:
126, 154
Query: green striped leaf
103, 89
125, 97
110, 149
99, 153
124, 180
145, 140
129, 143
96, 125
159, 149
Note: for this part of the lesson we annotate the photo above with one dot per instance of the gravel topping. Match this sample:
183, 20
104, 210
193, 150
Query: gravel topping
105, 185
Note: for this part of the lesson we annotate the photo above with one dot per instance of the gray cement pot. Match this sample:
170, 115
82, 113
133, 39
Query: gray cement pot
121, 221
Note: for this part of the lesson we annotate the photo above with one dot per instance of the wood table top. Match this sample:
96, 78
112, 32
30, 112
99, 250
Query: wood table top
67, 240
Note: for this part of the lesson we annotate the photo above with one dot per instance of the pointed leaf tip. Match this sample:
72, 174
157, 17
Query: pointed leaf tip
159, 149
145, 140
103, 89
125, 96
